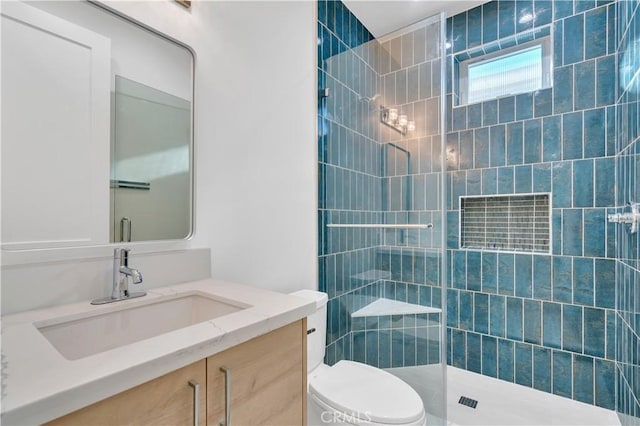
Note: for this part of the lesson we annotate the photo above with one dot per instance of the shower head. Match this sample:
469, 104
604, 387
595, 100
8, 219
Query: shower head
369, 100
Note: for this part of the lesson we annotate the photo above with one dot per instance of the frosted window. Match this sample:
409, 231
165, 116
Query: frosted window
507, 75
522, 69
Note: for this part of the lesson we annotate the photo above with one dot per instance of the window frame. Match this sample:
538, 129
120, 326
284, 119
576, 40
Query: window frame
547, 68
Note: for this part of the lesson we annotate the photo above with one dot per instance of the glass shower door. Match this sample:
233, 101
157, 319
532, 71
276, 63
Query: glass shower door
381, 192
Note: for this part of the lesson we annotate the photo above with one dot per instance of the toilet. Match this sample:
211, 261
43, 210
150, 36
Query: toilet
352, 393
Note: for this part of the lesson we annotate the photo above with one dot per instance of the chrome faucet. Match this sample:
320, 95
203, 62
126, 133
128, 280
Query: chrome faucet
121, 275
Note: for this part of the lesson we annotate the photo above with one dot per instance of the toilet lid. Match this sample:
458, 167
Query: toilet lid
367, 392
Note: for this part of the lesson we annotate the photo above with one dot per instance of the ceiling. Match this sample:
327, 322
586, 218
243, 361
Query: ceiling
386, 16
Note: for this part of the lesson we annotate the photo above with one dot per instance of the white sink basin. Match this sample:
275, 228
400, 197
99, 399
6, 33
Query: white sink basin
79, 338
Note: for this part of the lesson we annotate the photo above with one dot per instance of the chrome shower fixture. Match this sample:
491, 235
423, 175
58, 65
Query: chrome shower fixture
324, 93
369, 100
399, 122
632, 218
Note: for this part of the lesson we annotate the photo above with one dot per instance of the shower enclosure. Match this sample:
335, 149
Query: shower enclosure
381, 198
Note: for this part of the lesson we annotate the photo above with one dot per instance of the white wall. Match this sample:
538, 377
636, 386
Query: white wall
264, 183
255, 151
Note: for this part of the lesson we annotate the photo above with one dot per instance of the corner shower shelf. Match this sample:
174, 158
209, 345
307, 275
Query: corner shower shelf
383, 306
381, 225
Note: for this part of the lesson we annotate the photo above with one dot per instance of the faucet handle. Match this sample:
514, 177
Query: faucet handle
136, 276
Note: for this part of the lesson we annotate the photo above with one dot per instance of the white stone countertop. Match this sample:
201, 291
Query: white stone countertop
39, 384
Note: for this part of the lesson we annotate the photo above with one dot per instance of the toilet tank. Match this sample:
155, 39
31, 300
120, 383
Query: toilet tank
316, 327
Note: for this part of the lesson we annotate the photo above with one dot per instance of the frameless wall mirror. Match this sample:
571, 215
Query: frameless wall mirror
97, 128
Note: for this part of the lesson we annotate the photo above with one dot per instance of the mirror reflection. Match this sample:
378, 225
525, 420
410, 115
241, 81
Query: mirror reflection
96, 128
150, 164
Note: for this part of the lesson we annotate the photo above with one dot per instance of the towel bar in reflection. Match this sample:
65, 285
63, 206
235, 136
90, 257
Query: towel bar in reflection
381, 225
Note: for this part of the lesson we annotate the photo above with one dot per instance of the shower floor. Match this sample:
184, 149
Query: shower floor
499, 402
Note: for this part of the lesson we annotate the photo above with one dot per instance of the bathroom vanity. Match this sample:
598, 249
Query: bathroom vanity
267, 387
248, 363
115, 110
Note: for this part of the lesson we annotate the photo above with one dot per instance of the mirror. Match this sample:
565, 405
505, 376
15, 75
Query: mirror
97, 128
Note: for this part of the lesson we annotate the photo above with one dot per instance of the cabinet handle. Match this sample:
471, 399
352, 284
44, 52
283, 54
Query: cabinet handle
196, 402
227, 396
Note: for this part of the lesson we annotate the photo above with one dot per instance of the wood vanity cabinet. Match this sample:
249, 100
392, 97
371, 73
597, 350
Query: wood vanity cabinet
167, 400
267, 379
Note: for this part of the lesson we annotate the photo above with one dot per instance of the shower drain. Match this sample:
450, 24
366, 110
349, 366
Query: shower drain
468, 402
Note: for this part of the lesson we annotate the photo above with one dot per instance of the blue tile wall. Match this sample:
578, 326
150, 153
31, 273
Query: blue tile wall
546, 318
398, 340
567, 322
627, 273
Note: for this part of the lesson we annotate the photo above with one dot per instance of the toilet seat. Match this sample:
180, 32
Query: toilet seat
366, 394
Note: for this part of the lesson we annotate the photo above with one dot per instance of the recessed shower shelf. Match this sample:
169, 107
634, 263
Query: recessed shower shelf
383, 306
381, 225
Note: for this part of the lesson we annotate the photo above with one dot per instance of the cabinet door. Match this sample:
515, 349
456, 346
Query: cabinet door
268, 380
55, 150
167, 400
